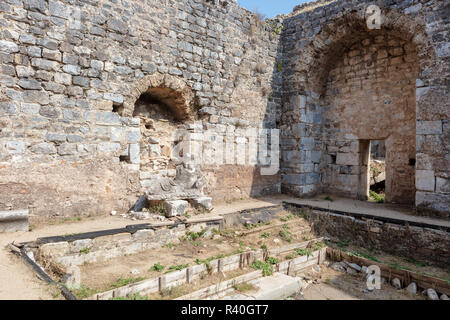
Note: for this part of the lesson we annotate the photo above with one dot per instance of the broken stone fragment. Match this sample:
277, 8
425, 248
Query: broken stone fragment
175, 208
202, 203
140, 215
431, 293
12, 221
338, 266
412, 288
351, 271
72, 278
444, 297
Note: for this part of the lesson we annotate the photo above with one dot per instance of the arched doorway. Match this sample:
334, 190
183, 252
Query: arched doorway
353, 86
165, 106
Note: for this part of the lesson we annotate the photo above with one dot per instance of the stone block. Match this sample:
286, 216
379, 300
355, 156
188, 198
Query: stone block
429, 127
79, 245
175, 208
425, 180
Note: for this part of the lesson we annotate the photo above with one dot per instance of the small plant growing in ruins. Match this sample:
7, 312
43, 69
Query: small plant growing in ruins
85, 251
304, 252
170, 245
275, 26
363, 255
264, 266
133, 296
343, 244
265, 235
378, 198
178, 267
318, 245
264, 247
279, 66
158, 209
293, 255
125, 281
396, 265
285, 226
157, 267
287, 218
273, 260
285, 235
195, 235
83, 292
173, 292
328, 198
418, 263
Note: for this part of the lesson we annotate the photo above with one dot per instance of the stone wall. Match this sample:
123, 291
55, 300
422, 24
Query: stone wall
73, 75
345, 84
370, 96
72, 71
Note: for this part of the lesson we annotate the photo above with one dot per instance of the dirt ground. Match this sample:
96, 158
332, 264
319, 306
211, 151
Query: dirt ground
18, 281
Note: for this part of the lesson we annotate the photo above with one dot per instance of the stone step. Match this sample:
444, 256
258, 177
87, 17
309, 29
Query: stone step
275, 287
15, 220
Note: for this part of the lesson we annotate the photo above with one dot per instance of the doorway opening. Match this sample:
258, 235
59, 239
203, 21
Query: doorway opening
377, 171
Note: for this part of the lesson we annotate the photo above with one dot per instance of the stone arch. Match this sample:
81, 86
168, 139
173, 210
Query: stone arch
168, 90
316, 58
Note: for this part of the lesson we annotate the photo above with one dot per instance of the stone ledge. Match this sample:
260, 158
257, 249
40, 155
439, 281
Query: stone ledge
16, 220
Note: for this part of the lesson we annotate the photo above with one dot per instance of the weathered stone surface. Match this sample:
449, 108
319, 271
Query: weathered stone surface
303, 73
175, 208
396, 283
431, 294
204, 203
412, 288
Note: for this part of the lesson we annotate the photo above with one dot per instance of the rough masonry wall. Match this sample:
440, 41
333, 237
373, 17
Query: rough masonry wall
316, 37
71, 72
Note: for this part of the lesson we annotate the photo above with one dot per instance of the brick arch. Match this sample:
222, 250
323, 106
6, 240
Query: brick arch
316, 58
169, 90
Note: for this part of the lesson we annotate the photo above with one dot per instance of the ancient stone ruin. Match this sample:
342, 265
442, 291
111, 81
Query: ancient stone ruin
96, 96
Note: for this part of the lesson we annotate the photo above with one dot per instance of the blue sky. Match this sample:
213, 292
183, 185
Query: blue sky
270, 7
